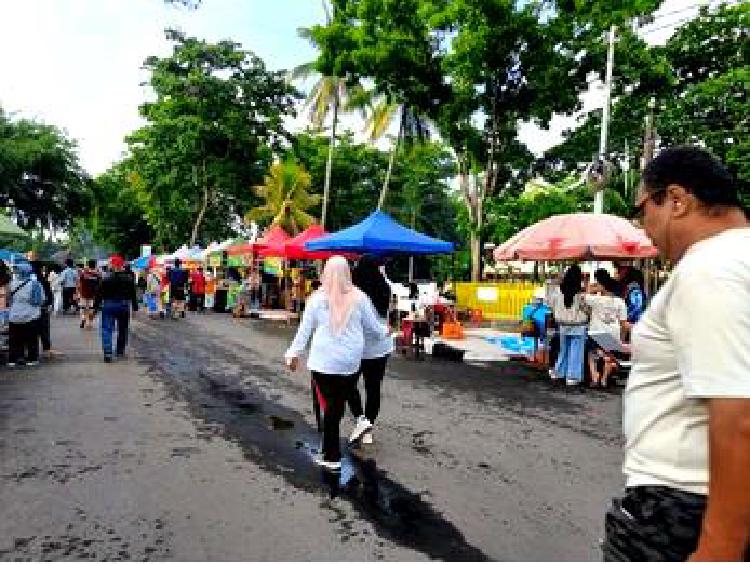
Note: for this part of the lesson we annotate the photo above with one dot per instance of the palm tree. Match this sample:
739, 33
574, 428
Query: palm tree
411, 126
329, 95
287, 197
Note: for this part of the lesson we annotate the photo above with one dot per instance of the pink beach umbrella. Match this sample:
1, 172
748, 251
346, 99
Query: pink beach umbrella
578, 236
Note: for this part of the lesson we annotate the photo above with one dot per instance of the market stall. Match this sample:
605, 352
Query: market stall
572, 237
380, 234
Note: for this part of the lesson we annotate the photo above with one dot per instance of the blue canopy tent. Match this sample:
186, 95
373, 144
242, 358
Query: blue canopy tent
380, 234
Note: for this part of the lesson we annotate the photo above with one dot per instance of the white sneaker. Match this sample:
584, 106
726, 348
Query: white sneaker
367, 438
363, 425
327, 464
33, 363
11, 365
572, 382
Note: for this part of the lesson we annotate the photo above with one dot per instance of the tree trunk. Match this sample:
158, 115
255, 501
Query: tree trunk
329, 162
476, 262
477, 216
384, 191
201, 211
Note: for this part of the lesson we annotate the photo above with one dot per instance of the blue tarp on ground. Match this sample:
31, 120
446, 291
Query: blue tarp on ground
12, 256
513, 344
380, 234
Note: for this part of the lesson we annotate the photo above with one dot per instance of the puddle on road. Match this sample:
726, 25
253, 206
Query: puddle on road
397, 513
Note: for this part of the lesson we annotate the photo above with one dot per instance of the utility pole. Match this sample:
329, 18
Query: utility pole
628, 195
599, 197
649, 136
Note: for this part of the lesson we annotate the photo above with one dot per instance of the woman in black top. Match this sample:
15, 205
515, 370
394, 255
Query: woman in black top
368, 278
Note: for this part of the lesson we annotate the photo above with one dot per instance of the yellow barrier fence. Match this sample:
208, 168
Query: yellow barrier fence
498, 300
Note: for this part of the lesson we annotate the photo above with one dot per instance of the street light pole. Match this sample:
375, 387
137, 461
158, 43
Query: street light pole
599, 197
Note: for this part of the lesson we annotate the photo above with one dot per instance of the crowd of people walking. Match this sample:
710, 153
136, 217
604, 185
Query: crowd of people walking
686, 407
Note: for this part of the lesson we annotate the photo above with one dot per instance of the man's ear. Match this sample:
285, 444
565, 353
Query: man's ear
679, 199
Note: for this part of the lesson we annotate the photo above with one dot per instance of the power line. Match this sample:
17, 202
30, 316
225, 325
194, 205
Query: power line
670, 24
710, 5
683, 9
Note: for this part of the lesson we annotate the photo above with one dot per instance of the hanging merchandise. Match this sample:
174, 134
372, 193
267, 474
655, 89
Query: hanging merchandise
273, 266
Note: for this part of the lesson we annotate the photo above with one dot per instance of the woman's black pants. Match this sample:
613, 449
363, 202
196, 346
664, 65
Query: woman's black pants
372, 370
332, 391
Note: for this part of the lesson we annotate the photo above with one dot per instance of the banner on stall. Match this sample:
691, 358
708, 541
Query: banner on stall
235, 260
214, 260
272, 265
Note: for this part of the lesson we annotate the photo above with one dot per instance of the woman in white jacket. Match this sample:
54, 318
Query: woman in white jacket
339, 318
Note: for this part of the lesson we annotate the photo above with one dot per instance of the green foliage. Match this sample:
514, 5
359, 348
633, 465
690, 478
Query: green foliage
216, 120
699, 81
118, 219
388, 41
420, 183
710, 45
286, 198
40, 178
477, 68
420, 190
356, 174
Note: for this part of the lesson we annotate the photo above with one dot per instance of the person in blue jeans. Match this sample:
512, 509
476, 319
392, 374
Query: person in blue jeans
115, 298
571, 316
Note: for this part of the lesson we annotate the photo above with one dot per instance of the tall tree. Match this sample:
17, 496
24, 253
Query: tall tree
213, 127
479, 67
381, 114
286, 197
118, 216
710, 102
389, 42
419, 194
697, 90
41, 181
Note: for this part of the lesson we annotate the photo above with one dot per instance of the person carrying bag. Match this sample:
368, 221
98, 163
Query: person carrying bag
26, 297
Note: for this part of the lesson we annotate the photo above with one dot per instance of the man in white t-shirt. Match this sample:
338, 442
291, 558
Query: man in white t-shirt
686, 409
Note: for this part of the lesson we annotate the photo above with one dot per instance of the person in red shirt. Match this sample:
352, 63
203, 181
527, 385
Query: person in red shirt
88, 284
198, 289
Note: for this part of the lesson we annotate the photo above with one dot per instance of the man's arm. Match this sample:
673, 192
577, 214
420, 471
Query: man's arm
726, 526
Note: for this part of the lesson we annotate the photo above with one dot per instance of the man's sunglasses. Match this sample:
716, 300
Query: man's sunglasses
636, 212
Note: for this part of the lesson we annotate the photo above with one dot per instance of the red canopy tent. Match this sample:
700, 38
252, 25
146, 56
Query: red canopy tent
272, 243
275, 236
294, 248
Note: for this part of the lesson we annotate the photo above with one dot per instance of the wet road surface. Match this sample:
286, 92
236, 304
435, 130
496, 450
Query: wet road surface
199, 446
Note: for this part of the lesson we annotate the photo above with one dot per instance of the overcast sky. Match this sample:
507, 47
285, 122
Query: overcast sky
77, 63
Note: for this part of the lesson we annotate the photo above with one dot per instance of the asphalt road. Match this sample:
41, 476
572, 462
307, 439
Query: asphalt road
198, 446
